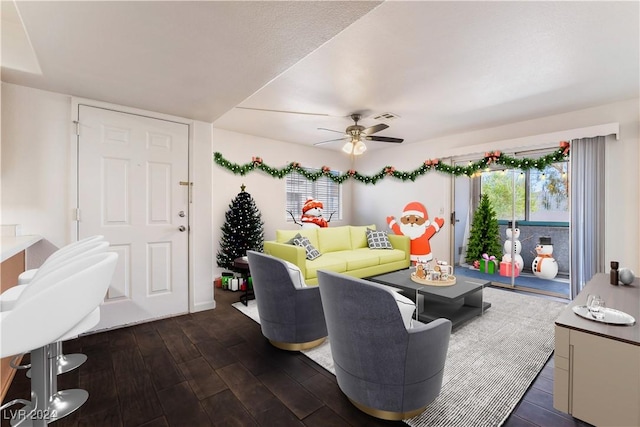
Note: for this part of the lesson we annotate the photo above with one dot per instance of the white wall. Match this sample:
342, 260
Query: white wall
388, 197
35, 176
37, 181
201, 245
268, 193
622, 229
36, 127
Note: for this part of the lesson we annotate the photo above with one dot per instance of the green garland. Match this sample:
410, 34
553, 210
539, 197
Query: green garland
427, 166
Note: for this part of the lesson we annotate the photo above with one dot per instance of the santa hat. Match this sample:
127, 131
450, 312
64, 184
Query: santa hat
417, 209
310, 204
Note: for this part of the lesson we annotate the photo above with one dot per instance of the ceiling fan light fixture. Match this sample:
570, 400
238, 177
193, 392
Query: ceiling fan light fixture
348, 147
359, 148
355, 147
355, 134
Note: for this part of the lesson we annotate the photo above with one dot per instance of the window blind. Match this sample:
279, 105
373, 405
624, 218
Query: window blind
299, 189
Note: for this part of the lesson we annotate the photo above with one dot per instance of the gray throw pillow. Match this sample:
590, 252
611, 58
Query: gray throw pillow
290, 241
312, 253
378, 239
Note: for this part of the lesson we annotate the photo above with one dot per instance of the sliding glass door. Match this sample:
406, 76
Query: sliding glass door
531, 209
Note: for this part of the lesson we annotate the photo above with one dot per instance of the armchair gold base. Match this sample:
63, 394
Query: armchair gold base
297, 346
387, 415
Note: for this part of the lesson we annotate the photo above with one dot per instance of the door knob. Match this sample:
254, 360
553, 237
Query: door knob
182, 228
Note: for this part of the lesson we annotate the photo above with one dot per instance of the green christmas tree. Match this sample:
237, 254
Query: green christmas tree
484, 237
242, 230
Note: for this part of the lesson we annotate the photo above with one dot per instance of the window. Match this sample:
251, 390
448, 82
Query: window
498, 186
540, 195
549, 193
299, 189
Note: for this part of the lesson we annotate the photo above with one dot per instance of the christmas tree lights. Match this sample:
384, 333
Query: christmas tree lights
242, 230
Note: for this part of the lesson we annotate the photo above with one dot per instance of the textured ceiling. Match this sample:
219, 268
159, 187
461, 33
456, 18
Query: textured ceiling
191, 59
442, 67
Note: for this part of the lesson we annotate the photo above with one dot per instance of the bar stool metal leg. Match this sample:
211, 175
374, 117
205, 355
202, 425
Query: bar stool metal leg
64, 402
36, 414
52, 404
66, 362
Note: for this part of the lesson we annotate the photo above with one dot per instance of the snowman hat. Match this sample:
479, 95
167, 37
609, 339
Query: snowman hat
311, 204
545, 240
417, 209
513, 224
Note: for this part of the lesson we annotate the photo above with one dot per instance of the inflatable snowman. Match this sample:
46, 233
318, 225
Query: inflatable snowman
544, 266
312, 214
513, 242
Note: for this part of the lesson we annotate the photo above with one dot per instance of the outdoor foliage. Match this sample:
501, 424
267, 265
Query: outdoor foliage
547, 193
498, 186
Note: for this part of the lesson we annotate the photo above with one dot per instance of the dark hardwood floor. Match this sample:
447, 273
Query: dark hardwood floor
215, 368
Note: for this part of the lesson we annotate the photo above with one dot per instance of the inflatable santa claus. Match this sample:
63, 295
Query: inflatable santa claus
415, 224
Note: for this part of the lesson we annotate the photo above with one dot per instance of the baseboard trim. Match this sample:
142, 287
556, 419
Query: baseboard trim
210, 305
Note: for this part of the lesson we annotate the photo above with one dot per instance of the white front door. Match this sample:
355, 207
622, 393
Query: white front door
132, 172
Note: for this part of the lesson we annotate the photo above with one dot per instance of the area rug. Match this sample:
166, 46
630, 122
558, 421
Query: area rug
491, 361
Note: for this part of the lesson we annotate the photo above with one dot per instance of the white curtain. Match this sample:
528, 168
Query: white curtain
587, 210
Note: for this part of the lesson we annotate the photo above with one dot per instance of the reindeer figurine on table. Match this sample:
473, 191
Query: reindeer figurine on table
312, 215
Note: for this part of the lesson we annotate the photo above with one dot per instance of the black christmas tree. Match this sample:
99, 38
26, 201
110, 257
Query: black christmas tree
242, 230
484, 237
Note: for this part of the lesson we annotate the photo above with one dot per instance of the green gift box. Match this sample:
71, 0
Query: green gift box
489, 266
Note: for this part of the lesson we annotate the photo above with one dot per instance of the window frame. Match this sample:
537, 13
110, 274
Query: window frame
527, 195
323, 189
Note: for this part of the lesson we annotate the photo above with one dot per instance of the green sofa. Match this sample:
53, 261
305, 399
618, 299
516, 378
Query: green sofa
344, 249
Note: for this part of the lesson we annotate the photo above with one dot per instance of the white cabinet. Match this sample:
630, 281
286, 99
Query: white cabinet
597, 366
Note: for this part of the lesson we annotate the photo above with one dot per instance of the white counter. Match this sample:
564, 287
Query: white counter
12, 245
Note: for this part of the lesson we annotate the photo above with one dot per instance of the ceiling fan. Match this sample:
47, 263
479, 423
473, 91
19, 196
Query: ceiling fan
355, 134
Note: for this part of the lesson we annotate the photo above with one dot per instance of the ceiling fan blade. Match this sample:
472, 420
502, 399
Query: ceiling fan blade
383, 139
331, 130
285, 111
375, 128
331, 140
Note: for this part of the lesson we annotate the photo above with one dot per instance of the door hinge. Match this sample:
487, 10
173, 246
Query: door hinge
77, 214
77, 123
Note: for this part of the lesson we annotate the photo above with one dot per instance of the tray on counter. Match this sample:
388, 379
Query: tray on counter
611, 316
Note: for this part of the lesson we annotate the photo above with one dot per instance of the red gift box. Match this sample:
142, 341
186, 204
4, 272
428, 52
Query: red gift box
505, 269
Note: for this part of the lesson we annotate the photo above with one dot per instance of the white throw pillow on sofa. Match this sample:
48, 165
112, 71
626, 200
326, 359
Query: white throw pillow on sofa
296, 275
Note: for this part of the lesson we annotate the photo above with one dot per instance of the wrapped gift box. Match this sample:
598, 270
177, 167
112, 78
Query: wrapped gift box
489, 266
505, 269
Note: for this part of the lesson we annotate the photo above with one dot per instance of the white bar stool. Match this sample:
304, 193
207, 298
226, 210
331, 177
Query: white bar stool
68, 299
59, 257
27, 276
69, 362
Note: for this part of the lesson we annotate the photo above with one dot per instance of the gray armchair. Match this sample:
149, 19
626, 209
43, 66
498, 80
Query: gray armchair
385, 369
291, 317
